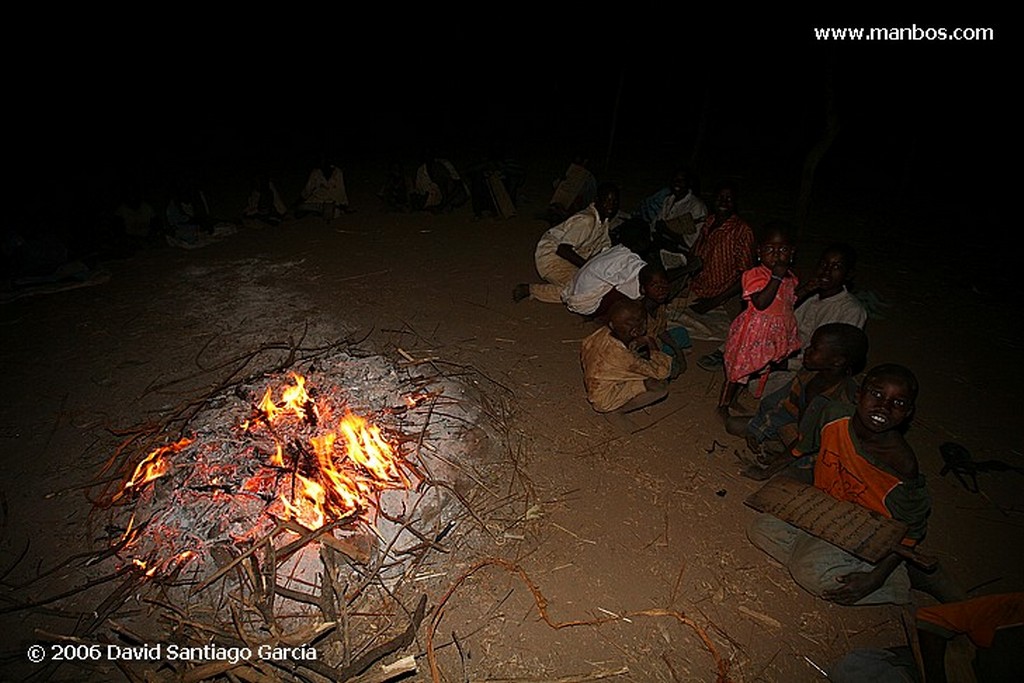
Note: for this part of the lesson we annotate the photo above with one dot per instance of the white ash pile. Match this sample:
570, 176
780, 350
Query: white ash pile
353, 453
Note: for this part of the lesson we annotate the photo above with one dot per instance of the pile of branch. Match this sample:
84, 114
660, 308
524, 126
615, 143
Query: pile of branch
361, 604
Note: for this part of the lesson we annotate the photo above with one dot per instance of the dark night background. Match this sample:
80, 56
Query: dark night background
924, 131
918, 180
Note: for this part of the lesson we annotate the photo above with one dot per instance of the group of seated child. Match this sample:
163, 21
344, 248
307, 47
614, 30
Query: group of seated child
804, 342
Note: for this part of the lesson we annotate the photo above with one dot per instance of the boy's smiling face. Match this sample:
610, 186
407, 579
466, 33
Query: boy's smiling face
884, 403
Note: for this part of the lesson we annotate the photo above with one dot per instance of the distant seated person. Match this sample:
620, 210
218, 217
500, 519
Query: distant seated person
188, 214
324, 193
862, 459
991, 625
826, 298
438, 187
564, 248
674, 215
573, 191
137, 216
836, 353
623, 370
725, 247
264, 203
494, 182
656, 291
823, 299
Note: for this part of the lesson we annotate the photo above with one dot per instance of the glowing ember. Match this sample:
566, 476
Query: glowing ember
300, 463
154, 466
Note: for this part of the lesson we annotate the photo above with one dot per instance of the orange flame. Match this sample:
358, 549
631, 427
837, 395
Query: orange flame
154, 466
352, 461
268, 407
295, 397
366, 447
337, 471
277, 459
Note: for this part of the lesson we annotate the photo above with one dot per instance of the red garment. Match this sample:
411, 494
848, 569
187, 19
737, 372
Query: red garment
845, 471
726, 251
979, 618
757, 338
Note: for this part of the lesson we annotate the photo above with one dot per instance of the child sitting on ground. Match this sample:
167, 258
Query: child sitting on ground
623, 370
765, 332
656, 290
824, 298
652, 287
863, 459
836, 353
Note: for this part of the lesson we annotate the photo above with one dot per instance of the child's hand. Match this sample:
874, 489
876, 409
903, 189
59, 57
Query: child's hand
855, 586
781, 267
643, 346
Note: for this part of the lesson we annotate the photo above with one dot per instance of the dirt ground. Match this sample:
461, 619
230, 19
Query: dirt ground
618, 524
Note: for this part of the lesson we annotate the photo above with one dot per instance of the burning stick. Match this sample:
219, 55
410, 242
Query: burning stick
154, 466
244, 495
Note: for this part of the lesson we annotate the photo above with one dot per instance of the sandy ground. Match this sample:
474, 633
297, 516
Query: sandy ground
623, 523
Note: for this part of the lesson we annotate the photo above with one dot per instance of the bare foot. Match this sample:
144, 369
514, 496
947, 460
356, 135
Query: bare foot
722, 412
520, 292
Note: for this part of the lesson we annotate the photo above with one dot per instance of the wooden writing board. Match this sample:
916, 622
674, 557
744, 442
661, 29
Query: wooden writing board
861, 532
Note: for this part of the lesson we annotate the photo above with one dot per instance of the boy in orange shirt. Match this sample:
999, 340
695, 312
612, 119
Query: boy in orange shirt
864, 459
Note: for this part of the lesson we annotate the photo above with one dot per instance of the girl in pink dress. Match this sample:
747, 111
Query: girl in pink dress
765, 331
